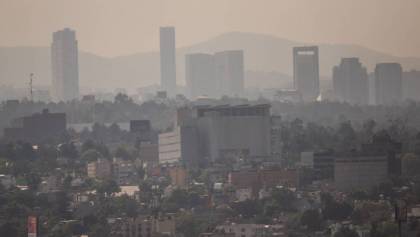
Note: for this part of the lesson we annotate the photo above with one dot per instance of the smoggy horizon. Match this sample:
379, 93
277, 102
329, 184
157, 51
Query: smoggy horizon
111, 28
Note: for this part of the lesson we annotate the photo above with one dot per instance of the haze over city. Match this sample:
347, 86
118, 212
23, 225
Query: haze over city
114, 28
199, 118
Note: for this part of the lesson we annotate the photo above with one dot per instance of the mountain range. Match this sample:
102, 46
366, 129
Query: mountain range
268, 62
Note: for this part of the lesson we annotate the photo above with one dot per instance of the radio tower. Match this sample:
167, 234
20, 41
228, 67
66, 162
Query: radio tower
31, 92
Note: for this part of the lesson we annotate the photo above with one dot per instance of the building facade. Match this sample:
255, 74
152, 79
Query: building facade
168, 60
350, 82
200, 76
234, 132
65, 66
215, 75
37, 127
360, 173
388, 83
229, 66
306, 72
179, 146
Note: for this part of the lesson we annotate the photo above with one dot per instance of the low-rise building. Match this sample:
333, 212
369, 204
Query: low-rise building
143, 226
99, 169
252, 230
124, 171
360, 173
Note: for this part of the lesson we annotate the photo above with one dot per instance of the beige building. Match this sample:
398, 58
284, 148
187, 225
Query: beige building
100, 169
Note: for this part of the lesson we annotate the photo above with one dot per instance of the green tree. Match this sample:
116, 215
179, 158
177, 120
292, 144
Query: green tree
312, 219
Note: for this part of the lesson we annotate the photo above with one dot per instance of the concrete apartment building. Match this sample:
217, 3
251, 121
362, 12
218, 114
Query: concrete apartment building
360, 173
306, 72
65, 66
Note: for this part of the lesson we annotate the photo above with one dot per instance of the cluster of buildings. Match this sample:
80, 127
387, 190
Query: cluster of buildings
222, 74
210, 75
365, 169
353, 84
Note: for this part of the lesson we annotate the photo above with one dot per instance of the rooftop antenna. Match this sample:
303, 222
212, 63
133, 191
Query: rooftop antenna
31, 92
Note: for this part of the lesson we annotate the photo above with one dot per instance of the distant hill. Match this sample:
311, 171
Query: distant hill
265, 55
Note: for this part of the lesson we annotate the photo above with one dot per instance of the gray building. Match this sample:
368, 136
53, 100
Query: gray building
215, 75
306, 72
212, 133
360, 173
411, 85
350, 82
230, 72
388, 83
64, 65
234, 132
167, 60
38, 127
200, 76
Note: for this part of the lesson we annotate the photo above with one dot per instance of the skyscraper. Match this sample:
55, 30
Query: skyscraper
388, 83
350, 82
65, 67
230, 71
306, 72
200, 76
167, 60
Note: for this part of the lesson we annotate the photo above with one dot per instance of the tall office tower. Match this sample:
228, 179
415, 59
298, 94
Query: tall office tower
65, 67
230, 72
167, 60
200, 76
306, 72
388, 80
350, 82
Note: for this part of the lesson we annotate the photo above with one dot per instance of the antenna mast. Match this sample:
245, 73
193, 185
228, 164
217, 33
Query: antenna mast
31, 92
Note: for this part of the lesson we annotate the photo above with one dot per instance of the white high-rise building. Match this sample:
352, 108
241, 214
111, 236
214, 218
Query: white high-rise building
64, 65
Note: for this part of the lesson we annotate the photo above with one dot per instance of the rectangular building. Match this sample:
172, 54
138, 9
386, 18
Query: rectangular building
360, 173
179, 146
388, 79
350, 82
229, 66
37, 127
306, 72
65, 66
234, 132
200, 76
168, 60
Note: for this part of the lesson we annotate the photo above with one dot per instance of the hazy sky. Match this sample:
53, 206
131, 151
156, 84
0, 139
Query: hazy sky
119, 27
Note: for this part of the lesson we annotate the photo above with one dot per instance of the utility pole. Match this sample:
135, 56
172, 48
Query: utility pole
31, 92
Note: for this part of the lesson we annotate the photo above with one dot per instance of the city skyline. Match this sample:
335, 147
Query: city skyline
110, 34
